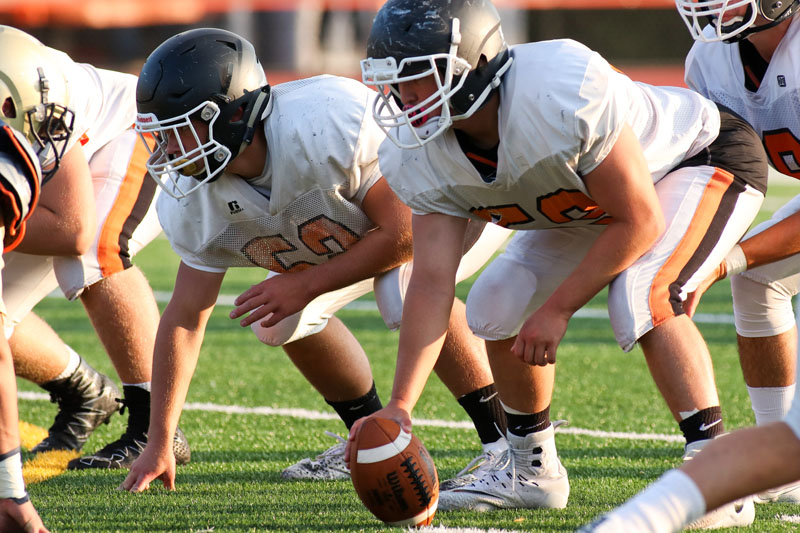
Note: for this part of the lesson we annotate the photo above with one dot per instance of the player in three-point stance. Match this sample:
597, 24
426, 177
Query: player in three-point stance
284, 178
610, 182
747, 57
90, 222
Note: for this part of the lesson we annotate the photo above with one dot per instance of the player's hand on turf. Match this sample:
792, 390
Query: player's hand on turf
693, 299
538, 340
272, 300
154, 463
19, 517
398, 414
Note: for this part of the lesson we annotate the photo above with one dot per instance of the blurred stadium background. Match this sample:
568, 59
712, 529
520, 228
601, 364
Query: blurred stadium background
297, 38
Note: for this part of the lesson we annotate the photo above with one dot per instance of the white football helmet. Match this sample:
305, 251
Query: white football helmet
34, 96
699, 13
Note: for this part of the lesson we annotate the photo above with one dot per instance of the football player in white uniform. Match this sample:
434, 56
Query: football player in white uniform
90, 222
747, 57
284, 178
612, 182
20, 177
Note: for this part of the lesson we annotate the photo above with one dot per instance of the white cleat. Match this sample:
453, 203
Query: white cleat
528, 475
477, 467
740, 513
785, 494
329, 465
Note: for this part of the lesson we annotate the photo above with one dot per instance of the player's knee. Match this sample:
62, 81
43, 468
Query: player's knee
289, 329
390, 291
499, 300
273, 336
761, 309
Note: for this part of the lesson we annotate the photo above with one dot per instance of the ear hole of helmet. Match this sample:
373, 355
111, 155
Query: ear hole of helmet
9, 110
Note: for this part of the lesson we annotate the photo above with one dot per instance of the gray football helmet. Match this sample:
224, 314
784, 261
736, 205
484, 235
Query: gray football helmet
458, 42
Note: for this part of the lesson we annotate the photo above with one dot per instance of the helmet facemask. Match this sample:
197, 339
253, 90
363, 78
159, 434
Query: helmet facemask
450, 73
205, 78
385, 74
204, 161
50, 126
697, 13
34, 97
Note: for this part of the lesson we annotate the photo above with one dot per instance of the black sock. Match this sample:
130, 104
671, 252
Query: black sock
704, 424
484, 408
137, 402
351, 410
521, 425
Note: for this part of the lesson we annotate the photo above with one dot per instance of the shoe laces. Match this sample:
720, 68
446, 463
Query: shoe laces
486, 458
334, 452
126, 441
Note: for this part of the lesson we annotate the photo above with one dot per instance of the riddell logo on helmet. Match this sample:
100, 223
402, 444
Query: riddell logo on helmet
145, 118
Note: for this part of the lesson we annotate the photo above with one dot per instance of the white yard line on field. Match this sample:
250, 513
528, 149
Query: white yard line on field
308, 414
369, 305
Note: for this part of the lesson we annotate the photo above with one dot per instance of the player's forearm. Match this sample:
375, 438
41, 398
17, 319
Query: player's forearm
175, 358
377, 252
774, 243
426, 315
617, 247
9, 429
50, 233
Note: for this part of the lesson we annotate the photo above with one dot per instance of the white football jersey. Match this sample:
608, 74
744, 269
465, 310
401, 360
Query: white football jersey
104, 103
322, 159
562, 108
715, 70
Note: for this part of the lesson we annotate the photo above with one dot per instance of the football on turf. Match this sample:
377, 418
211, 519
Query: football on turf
394, 474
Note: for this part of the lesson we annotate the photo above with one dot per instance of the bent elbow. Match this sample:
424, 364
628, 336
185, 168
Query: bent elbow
654, 226
83, 238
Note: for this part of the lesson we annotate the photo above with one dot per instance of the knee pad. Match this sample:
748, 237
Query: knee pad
500, 299
763, 307
288, 330
390, 293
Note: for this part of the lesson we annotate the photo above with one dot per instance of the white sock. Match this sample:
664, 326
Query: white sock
511, 410
770, 404
668, 505
144, 385
72, 364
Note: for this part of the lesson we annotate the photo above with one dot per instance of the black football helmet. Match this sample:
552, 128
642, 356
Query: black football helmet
459, 42
697, 13
205, 74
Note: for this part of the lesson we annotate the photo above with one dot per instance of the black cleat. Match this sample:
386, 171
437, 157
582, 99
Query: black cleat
124, 451
85, 400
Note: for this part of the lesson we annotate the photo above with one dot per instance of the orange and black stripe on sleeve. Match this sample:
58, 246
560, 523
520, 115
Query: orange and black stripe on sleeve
15, 221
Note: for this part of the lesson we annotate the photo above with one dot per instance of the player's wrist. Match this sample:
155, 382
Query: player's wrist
12, 486
735, 262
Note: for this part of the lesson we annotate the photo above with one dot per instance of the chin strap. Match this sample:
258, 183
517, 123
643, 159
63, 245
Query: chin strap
262, 107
